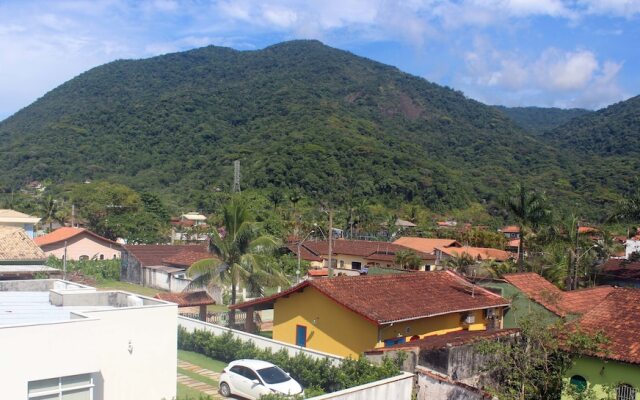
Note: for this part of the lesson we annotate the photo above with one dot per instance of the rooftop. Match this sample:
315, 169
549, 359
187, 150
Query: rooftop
66, 233
16, 216
396, 297
618, 317
478, 253
453, 339
46, 301
187, 299
425, 245
371, 250
154, 254
510, 229
620, 269
555, 300
16, 245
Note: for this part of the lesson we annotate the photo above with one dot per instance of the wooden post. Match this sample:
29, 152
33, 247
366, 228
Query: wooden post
249, 325
203, 313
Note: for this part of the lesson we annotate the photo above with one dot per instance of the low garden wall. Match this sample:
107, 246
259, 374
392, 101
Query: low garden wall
259, 341
324, 375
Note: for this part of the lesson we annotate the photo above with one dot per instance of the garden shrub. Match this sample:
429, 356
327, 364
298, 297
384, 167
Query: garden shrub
317, 374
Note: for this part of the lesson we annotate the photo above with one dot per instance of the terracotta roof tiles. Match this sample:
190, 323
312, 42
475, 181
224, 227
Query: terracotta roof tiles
187, 299
16, 245
426, 245
478, 253
620, 269
154, 254
618, 317
66, 233
398, 297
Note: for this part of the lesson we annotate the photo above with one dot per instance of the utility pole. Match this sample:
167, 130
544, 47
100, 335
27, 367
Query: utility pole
73, 215
64, 262
577, 260
236, 176
330, 243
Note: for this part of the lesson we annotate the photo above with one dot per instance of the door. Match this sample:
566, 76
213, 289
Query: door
301, 335
356, 265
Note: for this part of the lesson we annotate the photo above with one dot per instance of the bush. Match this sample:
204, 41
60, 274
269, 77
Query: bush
97, 269
318, 375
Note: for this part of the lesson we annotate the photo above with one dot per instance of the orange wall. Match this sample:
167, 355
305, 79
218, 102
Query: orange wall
83, 245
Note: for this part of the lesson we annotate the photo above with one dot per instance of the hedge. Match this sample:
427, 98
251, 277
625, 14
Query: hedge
309, 372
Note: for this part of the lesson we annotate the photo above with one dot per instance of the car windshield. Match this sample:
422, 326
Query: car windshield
273, 375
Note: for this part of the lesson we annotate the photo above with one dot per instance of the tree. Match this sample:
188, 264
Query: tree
407, 259
529, 209
460, 263
532, 365
628, 208
239, 255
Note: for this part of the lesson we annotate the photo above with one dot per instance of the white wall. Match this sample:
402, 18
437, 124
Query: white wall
98, 344
159, 279
397, 388
632, 247
261, 342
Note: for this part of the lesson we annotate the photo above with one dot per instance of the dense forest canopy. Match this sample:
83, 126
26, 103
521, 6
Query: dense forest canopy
301, 117
538, 120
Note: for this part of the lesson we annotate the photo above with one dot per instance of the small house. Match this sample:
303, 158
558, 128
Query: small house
348, 315
78, 244
16, 219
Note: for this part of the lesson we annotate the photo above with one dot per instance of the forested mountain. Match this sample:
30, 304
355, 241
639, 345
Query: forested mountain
299, 115
612, 131
538, 120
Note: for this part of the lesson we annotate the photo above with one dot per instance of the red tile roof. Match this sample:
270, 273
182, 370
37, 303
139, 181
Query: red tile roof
587, 229
187, 299
318, 272
426, 245
478, 253
618, 317
453, 339
374, 251
553, 299
154, 254
66, 233
510, 229
383, 299
620, 269
188, 256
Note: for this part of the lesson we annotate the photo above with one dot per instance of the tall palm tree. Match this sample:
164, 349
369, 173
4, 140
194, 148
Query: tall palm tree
407, 259
239, 256
529, 209
461, 263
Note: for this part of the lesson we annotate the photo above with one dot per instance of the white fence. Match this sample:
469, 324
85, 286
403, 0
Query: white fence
397, 388
261, 342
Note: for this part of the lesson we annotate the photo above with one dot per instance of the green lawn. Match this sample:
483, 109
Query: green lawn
129, 287
186, 393
202, 361
217, 308
267, 334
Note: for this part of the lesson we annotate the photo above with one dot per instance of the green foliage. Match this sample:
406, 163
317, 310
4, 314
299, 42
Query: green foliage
309, 372
407, 259
100, 270
304, 119
538, 120
533, 365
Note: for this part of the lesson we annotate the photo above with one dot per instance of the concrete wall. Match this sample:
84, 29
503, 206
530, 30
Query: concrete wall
632, 246
163, 280
130, 268
131, 352
521, 305
260, 342
431, 386
83, 244
397, 388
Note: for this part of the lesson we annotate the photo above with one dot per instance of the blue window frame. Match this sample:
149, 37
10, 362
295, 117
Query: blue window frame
391, 342
301, 335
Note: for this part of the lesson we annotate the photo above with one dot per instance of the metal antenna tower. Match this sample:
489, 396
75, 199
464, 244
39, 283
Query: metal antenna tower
236, 176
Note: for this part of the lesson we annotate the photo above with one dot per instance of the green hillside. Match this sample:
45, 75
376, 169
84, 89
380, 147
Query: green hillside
298, 115
538, 120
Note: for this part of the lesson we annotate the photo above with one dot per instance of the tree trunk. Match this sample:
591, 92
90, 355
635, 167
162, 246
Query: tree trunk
521, 251
232, 312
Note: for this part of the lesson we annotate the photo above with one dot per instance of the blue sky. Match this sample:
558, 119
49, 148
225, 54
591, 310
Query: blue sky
563, 53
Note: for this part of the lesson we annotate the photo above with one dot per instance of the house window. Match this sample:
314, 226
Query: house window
341, 263
102, 256
579, 383
83, 258
391, 342
74, 387
625, 392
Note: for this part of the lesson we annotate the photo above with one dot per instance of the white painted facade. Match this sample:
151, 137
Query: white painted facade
632, 246
56, 329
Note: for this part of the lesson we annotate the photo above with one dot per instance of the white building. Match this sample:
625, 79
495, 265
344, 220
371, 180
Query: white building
17, 219
61, 340
632, 246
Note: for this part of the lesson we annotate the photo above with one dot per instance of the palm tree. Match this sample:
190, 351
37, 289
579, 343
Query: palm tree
529, 209
628, 209
407, 259
460, 263
239, 256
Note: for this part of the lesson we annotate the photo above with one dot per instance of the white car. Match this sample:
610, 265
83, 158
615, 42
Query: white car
254, 378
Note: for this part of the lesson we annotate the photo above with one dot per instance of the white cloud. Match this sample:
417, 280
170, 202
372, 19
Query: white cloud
624, 8
281, 17
560, 71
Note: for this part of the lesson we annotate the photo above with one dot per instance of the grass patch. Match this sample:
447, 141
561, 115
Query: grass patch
217, 308
129, 287
201, 361
186, 393
267, 334
198, 377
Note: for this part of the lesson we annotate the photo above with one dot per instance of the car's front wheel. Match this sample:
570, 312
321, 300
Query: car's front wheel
225, 390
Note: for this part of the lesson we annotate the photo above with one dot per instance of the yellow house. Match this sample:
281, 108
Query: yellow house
357, 254
348, 315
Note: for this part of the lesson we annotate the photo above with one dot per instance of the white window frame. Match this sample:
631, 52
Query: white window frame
60, 391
